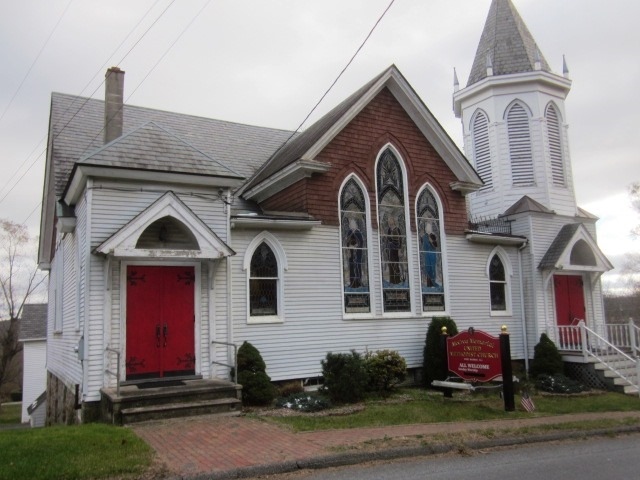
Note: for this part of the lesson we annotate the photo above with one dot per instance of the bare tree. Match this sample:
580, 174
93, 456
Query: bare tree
632, 261
19, 280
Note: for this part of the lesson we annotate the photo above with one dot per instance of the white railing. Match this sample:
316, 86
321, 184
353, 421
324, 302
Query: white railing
621, 340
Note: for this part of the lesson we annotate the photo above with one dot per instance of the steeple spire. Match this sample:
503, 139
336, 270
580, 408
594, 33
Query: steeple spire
506, 40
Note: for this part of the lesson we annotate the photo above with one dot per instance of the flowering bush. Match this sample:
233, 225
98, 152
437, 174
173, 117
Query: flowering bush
558, 383
303, 402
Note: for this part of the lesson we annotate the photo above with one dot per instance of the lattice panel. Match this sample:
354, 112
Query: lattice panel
585, 374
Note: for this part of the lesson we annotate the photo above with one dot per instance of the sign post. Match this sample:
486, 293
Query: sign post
507, 373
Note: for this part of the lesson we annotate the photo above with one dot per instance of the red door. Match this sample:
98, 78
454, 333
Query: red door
569, 294
160, 321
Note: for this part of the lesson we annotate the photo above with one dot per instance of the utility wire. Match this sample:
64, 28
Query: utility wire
46, 42
330, 87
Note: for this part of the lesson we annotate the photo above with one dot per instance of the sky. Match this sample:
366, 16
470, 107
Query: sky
268, 63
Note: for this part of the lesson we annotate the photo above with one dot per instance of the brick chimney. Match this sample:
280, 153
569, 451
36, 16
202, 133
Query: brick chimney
113, 103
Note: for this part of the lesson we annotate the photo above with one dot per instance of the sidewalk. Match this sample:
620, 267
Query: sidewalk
240, 447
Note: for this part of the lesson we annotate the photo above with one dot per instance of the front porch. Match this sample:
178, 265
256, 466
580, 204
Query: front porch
155, 400
608, 356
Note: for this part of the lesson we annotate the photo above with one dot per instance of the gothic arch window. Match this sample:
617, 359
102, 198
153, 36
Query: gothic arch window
554, 136
392, 229
481, 148
519, 133
581, 254
499, 273
167, 233
429, 222
265, 263
355, 248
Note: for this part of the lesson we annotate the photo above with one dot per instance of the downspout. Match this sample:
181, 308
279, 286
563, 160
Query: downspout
227, 207
522, 311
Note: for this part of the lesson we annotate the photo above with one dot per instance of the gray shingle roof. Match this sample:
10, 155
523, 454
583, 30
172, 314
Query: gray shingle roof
33, 323
76, 130
297, 146
508, 42
526, 204
559, 245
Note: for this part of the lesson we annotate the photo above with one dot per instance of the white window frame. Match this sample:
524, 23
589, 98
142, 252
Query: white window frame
443, 253
283, 266
508, 274
370, 314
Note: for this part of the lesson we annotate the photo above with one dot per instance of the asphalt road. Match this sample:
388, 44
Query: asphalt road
593, 459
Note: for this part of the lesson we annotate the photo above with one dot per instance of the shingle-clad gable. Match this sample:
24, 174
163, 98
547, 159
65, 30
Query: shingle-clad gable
507, 42
76, 132
33, 323
152, 147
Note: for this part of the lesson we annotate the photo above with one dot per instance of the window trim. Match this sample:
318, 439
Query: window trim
281, 258
508, 274
410, 255
369, 231
443, 252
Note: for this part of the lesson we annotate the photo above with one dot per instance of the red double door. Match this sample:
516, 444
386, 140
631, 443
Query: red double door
569, 294
160, 322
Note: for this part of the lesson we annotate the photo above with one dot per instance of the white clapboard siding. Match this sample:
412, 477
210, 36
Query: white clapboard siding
34, 373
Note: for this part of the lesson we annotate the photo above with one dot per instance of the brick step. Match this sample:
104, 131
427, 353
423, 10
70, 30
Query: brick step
220, 406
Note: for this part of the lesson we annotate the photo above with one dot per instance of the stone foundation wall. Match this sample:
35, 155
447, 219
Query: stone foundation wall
61, 401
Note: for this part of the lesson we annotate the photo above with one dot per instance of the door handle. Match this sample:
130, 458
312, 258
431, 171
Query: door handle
165, 331
158, 335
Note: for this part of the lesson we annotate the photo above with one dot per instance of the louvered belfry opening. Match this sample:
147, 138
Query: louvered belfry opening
481, 149
520, 146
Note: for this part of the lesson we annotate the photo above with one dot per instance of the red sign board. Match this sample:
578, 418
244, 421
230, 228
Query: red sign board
474, 355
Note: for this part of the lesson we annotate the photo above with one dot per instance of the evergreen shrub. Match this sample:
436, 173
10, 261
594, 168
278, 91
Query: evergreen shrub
385, 369
434, 365
256, 384
546, 358
345, 377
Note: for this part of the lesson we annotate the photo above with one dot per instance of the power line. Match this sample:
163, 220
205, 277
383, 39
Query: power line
46, 42
330, 87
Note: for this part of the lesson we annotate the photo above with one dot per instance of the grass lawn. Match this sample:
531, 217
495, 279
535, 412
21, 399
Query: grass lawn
430, 407
10, 413
78, 452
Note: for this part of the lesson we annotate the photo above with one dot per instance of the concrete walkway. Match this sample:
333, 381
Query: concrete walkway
239, 447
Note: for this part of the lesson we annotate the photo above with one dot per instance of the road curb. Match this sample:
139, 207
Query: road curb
354, 458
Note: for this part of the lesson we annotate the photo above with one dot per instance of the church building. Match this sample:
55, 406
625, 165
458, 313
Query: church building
172, 239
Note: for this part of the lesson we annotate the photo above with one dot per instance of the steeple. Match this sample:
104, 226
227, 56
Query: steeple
506, 44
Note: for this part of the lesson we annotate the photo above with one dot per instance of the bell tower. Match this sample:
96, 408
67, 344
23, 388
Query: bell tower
514, 121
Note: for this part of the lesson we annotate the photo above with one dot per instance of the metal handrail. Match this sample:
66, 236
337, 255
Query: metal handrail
235, 359
117, 373
586, 332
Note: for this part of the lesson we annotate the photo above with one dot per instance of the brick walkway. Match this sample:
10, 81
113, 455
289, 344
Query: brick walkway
211, 444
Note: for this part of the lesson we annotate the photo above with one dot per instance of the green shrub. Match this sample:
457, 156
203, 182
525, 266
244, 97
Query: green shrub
345, 377
385, 369
256, 384
290, 388
546, 358
558, 383
434, 366
303, 402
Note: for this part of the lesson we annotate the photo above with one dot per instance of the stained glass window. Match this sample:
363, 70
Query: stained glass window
263, 282
497, 285
429, 241
353, 231
393, 235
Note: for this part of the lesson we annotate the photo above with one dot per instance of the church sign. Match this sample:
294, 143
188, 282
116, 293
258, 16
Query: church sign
474, 355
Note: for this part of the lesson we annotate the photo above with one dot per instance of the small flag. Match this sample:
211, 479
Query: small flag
527, 402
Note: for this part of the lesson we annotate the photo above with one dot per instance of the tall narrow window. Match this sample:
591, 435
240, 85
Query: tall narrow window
555, 145
481, 149
355, 248
263, 282
393, 234
497, 285
520, 146
429, 240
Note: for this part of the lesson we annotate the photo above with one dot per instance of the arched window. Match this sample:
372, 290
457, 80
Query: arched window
481, 148
555, 145
355, 249
497, 285
263, 282
520, 146
581, 254
430, 248
393, 234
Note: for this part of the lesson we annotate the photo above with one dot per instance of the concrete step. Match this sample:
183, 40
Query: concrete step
631, 390
220, 406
